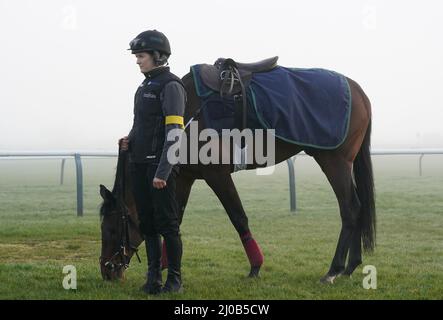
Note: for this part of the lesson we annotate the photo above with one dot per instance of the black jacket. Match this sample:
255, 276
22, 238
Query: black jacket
152, 105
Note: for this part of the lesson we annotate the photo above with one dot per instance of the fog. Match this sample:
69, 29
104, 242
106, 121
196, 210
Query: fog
67, 80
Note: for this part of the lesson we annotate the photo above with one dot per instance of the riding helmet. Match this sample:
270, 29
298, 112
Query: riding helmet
151, 40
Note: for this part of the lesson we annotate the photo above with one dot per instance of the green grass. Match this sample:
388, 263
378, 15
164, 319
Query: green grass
40, 233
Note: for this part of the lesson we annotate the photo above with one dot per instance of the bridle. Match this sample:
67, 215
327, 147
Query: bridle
125, 244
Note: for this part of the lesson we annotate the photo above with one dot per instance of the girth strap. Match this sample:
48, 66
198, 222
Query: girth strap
230, 75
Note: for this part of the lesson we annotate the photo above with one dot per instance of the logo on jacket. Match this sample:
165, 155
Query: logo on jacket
149, 95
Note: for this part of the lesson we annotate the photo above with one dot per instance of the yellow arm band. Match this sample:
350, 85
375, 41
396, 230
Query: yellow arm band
174, 120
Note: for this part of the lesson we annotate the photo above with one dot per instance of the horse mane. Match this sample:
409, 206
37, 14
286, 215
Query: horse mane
116, 189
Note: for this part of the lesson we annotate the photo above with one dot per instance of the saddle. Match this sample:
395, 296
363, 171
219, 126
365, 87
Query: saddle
230, 78
227, 76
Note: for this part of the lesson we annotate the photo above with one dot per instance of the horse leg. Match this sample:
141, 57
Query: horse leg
338, 170
184, 184
220, 181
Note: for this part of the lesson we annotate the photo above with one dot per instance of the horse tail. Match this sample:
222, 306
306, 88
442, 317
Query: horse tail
364, 181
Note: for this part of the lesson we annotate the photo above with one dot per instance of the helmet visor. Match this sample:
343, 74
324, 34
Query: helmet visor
137, 44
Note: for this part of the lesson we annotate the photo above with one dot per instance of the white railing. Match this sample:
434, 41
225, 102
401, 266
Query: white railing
104, 154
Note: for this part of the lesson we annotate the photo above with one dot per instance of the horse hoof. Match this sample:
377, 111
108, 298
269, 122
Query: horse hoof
254, 273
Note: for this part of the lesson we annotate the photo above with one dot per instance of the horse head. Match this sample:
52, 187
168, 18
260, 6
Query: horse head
120, 232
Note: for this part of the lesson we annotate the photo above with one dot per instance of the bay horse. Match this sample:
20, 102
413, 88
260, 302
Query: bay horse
348, 169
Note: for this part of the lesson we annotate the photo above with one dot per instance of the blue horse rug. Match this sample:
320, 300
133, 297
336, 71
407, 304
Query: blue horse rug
309, 107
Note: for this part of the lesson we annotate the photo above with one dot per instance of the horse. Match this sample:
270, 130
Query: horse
348, 169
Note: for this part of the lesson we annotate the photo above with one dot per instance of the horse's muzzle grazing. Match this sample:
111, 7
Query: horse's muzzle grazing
111, 270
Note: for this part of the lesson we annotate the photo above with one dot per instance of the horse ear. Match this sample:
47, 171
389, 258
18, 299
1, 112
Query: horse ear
106, 194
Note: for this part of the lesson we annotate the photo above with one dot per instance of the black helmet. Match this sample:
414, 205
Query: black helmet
151, 40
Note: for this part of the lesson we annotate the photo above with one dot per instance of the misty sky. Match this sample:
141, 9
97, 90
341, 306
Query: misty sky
67, 81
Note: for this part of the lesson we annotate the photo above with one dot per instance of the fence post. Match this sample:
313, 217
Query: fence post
62, 173
79, 175
420, 164
292, 194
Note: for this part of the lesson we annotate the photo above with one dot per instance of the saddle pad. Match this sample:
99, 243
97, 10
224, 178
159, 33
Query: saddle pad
309, 107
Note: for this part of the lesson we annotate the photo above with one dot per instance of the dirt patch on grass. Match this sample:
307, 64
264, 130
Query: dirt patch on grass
48, 251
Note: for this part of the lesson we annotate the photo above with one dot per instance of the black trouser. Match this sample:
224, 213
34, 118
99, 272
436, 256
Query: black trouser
157, 208
158, 214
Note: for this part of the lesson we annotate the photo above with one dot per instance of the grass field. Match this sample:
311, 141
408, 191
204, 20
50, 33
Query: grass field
40, 233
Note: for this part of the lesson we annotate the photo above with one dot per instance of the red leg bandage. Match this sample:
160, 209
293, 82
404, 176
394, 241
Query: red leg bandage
252, 249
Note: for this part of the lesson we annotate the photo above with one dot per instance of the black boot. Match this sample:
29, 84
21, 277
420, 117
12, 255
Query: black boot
154, 275
174, 251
